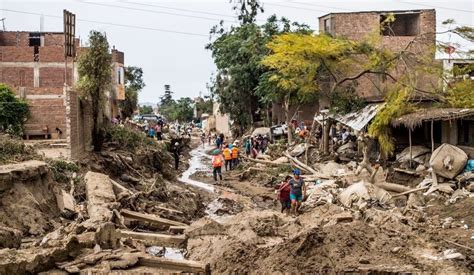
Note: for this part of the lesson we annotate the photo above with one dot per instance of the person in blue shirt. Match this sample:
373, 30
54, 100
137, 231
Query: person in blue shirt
297, 192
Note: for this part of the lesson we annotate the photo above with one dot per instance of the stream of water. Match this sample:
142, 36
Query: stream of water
197, 164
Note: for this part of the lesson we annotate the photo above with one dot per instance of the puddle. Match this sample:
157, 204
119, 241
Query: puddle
197, 164
173, 253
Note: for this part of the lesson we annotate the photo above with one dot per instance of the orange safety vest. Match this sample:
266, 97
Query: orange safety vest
217, 161
235, 152
227, 154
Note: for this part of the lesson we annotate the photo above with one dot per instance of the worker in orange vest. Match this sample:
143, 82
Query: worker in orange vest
235, 155
217, 162
227, 157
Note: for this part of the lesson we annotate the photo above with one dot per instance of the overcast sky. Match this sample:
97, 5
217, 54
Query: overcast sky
167, 38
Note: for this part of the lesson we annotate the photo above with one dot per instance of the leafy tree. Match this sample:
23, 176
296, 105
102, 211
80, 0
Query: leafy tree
237, 54
146, 109
133, 85
167, 98
205, 106
184, 110
94, 80
13, 111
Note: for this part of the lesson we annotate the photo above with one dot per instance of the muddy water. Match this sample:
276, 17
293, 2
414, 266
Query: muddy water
197, 164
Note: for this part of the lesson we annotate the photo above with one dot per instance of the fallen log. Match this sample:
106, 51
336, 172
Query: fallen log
265, 161
299, 163
393, 187
411, 191
178, 265
155, 238
153, 219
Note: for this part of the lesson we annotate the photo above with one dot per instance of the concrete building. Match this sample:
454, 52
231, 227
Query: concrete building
398, 35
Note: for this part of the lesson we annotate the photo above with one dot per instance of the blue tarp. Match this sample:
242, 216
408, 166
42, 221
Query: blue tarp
469, 166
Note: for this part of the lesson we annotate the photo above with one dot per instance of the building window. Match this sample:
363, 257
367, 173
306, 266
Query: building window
466, 132
35, 39
327, 25
120, 76
404, 25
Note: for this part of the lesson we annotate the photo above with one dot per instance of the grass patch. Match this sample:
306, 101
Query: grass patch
14, 150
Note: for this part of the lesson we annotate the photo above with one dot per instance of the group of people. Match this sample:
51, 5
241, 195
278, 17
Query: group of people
154, 129
229, 158
255, 145
291, 192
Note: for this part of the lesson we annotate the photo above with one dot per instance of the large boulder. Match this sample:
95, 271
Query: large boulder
448, 161
100, 197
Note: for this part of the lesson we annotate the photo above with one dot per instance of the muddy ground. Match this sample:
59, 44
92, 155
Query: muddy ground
245, 232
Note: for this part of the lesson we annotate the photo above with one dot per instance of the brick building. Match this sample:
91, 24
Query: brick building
33, 64
408, 25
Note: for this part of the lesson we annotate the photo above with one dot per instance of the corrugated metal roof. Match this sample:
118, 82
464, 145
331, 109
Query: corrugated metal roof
355, 120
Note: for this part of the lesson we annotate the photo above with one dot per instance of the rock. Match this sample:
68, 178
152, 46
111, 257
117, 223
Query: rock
107, 236
343, 217
396, 249
448, 161
9, 237
298, 150
420, 168
66, 203
100, 196
364, 260
447, 223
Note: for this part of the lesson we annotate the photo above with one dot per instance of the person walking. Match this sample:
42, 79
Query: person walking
176, 152
228, 158
297, 191
283, 195
203, 139
158, 129
217, 166
235, 155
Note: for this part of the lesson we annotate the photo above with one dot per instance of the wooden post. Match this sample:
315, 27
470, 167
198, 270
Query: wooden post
409, 141
432, 137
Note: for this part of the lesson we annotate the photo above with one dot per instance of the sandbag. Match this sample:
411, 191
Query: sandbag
448, 161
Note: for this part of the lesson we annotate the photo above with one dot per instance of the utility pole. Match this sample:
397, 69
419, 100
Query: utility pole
3, 23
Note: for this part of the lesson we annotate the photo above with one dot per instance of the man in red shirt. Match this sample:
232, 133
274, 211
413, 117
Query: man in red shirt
283, 195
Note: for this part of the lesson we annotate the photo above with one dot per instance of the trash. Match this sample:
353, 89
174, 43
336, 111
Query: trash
447, 223
469, 166
449, 254
448, 161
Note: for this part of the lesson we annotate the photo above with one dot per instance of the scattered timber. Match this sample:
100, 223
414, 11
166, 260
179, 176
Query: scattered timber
153, 219
169, 264
155, 238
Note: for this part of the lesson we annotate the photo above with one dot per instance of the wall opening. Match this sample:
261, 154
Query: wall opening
404, 25
35, 39
327, 25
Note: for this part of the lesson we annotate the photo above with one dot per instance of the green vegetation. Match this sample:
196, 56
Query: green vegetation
14, 150
181, 110
13, 111
95, 78
62, 170
125, 137
146, 109
133, 85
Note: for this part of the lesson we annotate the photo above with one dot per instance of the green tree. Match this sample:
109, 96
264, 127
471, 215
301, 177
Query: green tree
133, 85
167, 97
205, 106
13, 111
95, 78
167, 104
146, 109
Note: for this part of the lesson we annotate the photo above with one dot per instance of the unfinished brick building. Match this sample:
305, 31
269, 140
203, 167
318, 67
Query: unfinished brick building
33, 64
408, 25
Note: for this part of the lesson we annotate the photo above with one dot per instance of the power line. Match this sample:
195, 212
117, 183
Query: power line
322, 6
434, 6
292, 7
110, 23
178, 9
152, 11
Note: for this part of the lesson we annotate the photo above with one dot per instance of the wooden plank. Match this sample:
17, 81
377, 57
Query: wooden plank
177, 229
169, 210
155, 238
149, 218
170, 264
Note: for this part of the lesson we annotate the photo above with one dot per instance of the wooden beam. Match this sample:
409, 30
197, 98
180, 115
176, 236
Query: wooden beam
411, 191
432, 137
155, 238
411, 151
295, 160
149, 218
170, 264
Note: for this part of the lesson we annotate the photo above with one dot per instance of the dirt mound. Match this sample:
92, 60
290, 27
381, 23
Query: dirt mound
27, 199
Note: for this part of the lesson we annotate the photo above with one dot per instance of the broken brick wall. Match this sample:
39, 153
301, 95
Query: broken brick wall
79, 124
360, 25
